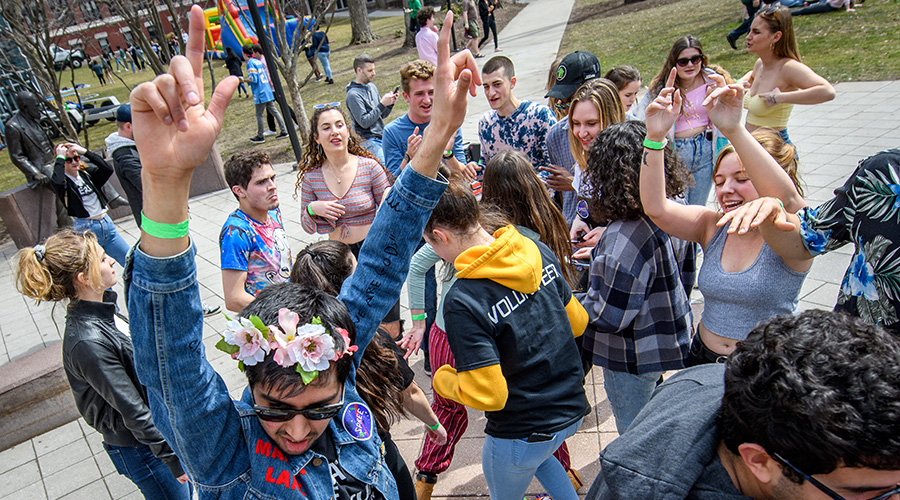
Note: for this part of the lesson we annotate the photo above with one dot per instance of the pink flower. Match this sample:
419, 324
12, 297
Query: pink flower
350, 349
316, 347
252, 343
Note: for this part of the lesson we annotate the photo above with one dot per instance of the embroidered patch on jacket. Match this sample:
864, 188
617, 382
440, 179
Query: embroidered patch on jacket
357, 421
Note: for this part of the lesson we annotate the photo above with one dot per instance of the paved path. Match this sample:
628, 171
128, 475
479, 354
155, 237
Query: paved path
69, 462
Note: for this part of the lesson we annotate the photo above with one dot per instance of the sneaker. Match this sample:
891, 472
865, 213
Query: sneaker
318, 79
258, 139
209, 310
425, 485
731, 40
282, 135
329, 81
267, 133
427, 366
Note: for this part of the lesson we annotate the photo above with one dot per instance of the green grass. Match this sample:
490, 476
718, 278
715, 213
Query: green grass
840, 46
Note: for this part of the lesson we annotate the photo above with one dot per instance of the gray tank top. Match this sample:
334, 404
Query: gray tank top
735, 302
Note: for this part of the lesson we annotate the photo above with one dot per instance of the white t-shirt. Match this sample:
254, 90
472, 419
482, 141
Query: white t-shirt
89, 198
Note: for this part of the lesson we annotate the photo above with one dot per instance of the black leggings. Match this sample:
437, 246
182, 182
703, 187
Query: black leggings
817, 8
394, 461
489, 24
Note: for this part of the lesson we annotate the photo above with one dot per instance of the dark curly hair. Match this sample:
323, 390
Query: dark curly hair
821, 389
613, 172
313, 156
240, 166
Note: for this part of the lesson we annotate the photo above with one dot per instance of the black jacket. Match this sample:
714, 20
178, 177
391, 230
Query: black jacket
127, 163
95, 176
99, 363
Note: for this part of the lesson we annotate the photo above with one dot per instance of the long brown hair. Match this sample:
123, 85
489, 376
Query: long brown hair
325, 265
604, 95
779, 19
314, 157
49, 271
511, 185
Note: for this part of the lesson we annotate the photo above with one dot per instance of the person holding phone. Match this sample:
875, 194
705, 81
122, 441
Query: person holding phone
366, 110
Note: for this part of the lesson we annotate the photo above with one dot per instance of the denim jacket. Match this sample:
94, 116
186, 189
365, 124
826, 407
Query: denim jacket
220, 442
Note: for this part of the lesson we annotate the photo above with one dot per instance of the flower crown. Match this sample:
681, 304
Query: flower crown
310, 347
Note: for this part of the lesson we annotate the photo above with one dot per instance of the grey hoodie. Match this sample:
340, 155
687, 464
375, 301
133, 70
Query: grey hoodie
366, 110
127, 164
670, 450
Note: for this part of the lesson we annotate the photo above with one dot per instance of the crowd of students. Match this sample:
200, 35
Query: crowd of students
582, 250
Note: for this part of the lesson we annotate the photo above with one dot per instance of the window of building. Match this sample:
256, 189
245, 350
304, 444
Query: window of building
90, 11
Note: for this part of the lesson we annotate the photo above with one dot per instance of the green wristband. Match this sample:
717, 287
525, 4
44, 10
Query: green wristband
309, 210
435, 427
418, 317
656, 146
165, 231
780, 203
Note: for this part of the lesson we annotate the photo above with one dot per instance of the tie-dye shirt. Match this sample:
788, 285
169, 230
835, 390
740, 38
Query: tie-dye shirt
260, 248
524, 130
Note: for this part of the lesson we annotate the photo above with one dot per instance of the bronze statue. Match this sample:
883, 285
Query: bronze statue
29, 147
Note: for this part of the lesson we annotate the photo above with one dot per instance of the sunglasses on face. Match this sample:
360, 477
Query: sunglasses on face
825, 489
75, 158
684, 61
330, 104
283, 415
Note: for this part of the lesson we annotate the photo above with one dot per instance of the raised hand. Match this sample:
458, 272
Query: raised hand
723, 104
412, 142
754, 214
664, 110
172, 129
452, 78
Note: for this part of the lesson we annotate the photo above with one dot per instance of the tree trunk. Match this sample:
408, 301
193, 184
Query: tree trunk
360, 26
410, 41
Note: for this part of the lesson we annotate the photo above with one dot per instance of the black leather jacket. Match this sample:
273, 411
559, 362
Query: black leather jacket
99, 363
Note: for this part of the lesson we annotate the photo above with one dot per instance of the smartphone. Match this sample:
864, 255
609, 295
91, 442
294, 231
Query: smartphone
396, 89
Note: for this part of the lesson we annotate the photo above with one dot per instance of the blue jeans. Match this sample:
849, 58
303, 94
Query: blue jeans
149, 473
323, 58
107, 236
627, 394
697, 154
510, 464
373, 145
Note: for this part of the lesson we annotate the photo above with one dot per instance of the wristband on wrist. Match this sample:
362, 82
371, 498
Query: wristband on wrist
656, 146
161, 230
434, 427
780, 203
310, 210
448, 153
61, 157
418, 317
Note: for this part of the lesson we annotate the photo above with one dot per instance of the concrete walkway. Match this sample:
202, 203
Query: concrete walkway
69, 462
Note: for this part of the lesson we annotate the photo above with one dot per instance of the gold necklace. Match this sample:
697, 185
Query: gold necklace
340, 174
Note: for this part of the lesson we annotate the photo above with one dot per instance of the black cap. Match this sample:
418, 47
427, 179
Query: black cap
575, 69
123, 113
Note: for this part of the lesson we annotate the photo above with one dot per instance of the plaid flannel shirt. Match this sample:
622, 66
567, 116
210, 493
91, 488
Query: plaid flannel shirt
640, 315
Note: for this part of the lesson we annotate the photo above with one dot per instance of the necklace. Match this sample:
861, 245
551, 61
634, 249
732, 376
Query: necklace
340, 173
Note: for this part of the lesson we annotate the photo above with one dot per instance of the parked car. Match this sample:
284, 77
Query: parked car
62, 58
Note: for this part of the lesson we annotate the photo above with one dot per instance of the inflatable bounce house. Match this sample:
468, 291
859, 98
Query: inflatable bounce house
230, 24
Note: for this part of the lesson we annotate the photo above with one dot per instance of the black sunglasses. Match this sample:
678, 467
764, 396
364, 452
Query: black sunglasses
825, 489
684, 61
74, 158
283, 415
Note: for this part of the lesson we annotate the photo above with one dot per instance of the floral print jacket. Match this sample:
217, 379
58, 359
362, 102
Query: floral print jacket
866, 212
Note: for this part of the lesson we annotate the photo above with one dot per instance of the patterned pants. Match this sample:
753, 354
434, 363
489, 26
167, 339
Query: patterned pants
435, 459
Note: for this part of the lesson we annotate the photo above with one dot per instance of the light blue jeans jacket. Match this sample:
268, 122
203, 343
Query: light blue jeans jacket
220, 442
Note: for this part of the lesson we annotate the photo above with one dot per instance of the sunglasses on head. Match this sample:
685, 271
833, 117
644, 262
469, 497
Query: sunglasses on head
684, 61
74, 158
825, 489
330, 104
283, 415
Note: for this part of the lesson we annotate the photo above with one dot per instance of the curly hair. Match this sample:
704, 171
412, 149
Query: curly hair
415, 70
511, 185
821, 389
239, 168
52, 276
613, 172
314, 156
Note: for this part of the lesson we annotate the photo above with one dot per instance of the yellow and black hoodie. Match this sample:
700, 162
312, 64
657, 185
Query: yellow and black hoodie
510, 319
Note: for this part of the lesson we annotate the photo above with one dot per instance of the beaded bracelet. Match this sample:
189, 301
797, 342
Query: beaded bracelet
165, 231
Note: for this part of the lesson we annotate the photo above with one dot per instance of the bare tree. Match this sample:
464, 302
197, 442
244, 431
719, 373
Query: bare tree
291, 56
134, 12
34, 28
360, 27
177, 16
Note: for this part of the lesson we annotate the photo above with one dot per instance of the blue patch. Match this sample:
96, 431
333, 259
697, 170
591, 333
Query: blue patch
357, 421
581, 208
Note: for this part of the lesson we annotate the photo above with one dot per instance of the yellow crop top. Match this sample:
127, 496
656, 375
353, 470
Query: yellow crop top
760, 114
